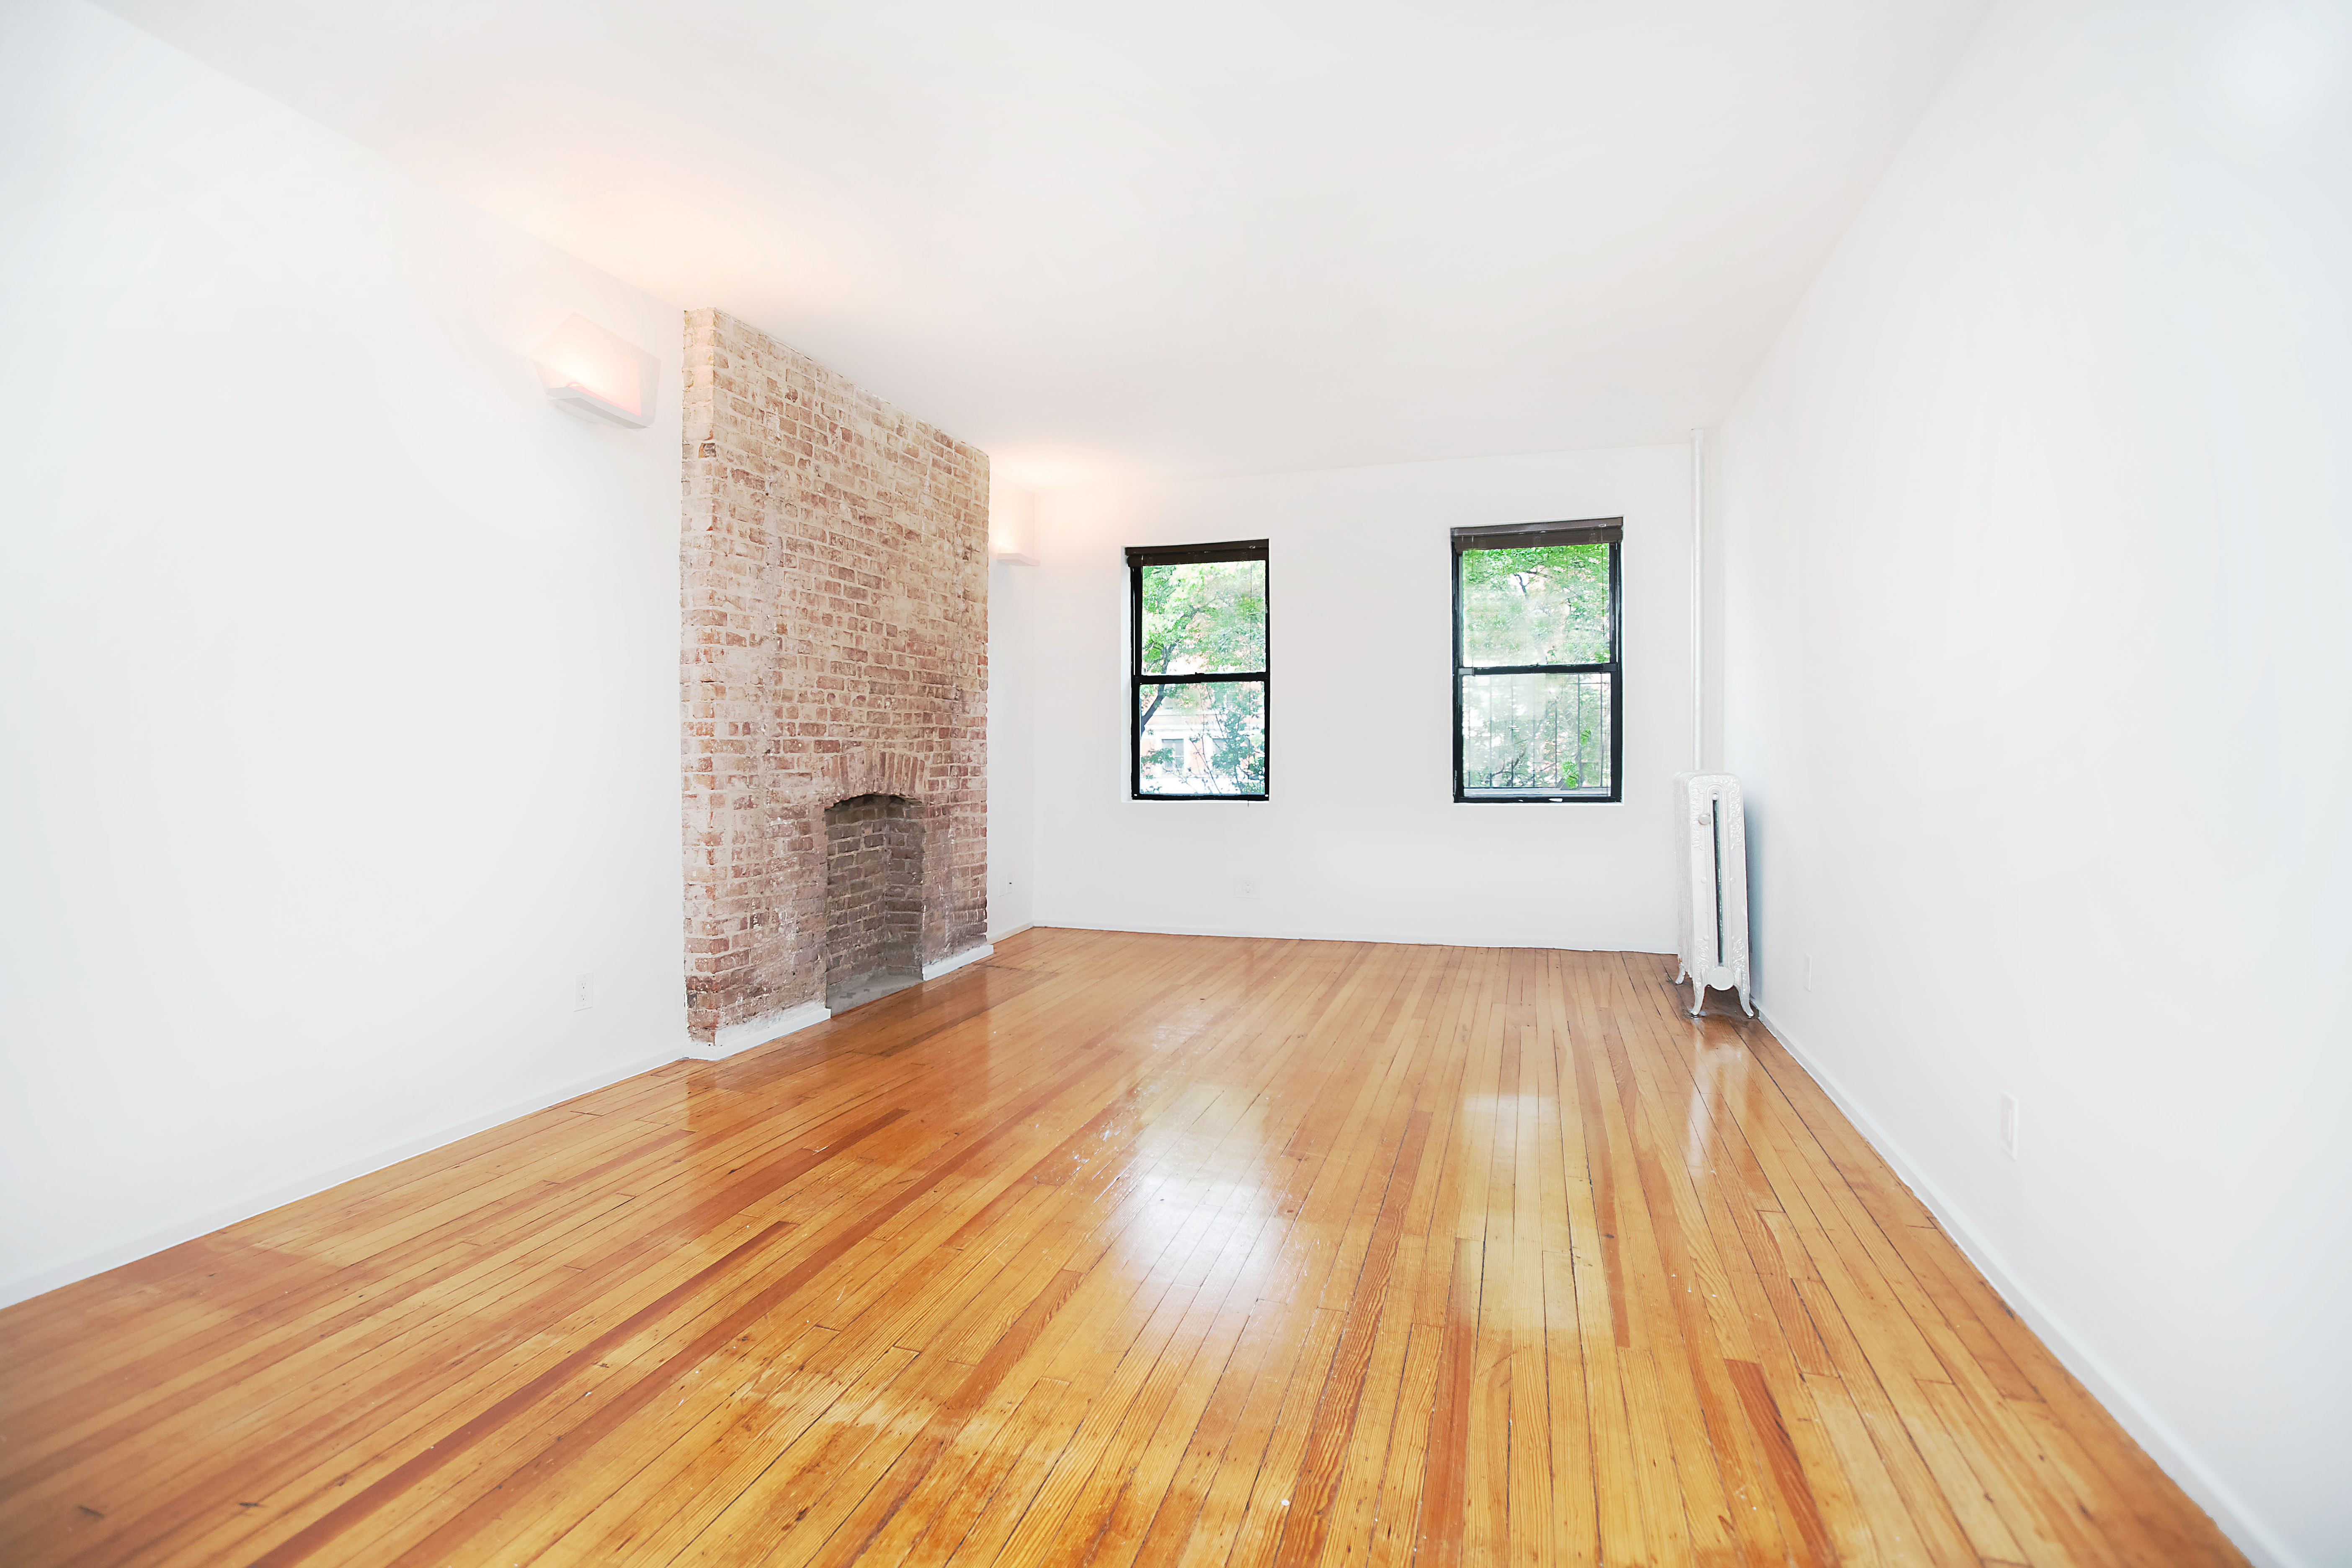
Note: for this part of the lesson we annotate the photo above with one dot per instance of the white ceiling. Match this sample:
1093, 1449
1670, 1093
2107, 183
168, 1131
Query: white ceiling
1212, 238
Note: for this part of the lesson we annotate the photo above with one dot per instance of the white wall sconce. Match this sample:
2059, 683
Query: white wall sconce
589, 373
1011, 523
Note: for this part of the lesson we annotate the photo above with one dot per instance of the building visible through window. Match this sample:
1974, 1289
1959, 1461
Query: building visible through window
1197, 648
1537, 677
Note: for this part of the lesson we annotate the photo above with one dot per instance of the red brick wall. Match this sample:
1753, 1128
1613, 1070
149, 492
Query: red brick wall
836, 578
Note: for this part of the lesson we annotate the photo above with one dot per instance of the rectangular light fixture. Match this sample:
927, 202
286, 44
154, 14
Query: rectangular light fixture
590, 372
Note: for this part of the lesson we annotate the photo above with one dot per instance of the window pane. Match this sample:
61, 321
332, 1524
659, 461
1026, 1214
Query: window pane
1534, 734
1205, 618
1207, 739
1536, 606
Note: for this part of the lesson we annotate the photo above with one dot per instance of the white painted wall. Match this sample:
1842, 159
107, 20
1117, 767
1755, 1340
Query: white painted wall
1012, 709
1361, 837
2038, 553
340, 718
1012, 747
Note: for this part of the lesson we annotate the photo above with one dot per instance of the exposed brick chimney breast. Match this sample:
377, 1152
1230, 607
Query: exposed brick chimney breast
835, 578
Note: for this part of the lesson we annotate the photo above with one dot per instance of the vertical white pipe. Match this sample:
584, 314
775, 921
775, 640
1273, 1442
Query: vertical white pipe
1699, 599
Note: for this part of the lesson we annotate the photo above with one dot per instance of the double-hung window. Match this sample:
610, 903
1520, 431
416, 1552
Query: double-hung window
1538, 674
1198, 650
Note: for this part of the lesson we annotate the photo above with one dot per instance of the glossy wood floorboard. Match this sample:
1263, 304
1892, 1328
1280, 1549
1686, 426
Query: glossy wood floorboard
1115, 1250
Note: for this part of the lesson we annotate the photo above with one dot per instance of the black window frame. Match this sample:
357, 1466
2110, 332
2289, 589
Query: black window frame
1137, 558
1609, 531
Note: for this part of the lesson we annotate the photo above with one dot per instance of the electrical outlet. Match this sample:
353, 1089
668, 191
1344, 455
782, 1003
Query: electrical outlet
584, 992
1245, 889
1808, 972
2009, 1125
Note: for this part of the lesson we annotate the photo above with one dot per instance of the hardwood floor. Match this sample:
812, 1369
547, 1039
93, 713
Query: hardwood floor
1116, 1250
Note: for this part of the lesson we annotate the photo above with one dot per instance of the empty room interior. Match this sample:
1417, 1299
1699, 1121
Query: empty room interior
1171, 786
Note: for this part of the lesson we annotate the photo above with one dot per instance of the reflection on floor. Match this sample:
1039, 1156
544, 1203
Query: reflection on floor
1115, 1249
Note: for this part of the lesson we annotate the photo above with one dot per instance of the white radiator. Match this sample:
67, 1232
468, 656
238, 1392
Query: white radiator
1711, 861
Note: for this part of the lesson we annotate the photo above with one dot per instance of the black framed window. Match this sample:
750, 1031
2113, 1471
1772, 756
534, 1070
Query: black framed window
1198, 649
1538, 677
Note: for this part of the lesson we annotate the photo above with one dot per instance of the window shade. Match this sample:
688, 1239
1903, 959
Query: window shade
1184, 554
1538, 535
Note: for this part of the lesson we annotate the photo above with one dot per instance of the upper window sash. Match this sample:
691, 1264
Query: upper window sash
1575, 632
1197, 664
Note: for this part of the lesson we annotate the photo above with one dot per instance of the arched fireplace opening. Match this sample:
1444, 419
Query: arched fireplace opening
873, 898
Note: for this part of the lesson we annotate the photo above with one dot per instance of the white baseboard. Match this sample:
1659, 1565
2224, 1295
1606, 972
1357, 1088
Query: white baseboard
2163, 1444
950, 964
1009, 931
38, 1281
1387, 939
736, 1037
